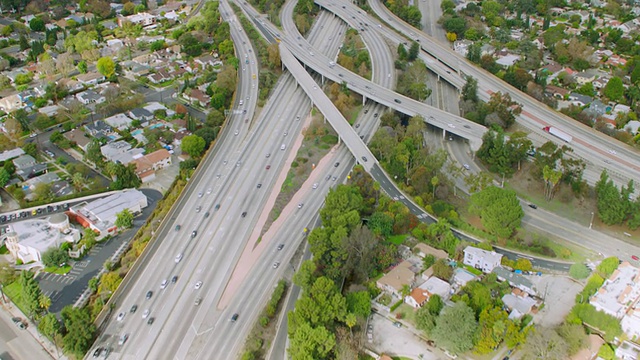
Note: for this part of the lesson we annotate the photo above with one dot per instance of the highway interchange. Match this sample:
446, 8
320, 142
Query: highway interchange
229, 177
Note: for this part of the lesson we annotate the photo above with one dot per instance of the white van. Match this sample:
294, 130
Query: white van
283, 147
241, 102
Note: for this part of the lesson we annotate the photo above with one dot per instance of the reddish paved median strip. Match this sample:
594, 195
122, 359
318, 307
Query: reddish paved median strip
253, 249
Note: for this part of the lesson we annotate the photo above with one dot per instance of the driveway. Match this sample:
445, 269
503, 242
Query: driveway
393, 341
559, 293
66, 289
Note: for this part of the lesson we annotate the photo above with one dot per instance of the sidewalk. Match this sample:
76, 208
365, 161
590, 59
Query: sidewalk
28, 349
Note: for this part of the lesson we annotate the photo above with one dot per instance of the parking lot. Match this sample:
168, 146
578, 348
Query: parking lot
391, 340
559, 293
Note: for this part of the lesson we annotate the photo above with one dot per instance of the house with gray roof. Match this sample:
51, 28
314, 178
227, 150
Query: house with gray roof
516, 280
579, 99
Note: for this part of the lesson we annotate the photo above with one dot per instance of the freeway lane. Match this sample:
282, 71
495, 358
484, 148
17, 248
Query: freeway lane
588, 144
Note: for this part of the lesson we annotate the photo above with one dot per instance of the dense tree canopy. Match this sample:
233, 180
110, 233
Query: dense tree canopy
499, 209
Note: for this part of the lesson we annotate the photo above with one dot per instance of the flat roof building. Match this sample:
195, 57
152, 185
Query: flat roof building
100, 215
27, 240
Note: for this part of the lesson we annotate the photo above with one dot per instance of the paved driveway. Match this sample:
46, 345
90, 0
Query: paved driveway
393, 341
560, 297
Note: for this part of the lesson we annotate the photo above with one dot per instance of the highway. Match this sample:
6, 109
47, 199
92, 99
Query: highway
230, 196
588, 144
182, 329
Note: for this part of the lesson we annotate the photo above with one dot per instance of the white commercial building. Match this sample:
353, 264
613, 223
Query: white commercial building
100, 215
27, 240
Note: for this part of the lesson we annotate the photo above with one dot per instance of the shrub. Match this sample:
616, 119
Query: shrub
579, 271
396, 305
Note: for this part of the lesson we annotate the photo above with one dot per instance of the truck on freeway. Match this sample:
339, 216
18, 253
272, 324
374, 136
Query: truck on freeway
557, 133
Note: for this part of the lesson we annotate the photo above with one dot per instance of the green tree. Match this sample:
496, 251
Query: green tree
492, 327
305, 277
579, 271
574, 336
54, 257
545, 343
89, 237
455, 328
83, 67
93, 152
193, 145
109, 282
80, 330
470, 89
37, 24
4, 177
106, 66
125, 177
44, 192
499, 210
607, 267
49, 326
310, 342
505, 108
435, 304
614, 90
442, 270
30, 292
425, 320
611, 205
124, 219
359, 303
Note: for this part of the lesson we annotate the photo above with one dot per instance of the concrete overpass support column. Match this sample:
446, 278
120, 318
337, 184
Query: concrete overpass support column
444, 134
364, 99
322, 80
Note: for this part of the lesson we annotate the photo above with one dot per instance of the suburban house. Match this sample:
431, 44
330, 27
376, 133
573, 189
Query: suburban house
579, 99
90, 97
146, 166
461, 277
11, 103
398, 277
144, 19
422, 250
433, 286
78, 136
519, 303
481, 259
27, 167
98, 128
11, 154
141, 114
516, 280
119, 121
91, 78
197, 96
120, 152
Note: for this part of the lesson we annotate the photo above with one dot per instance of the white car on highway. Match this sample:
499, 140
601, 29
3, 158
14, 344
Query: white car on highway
120, 316
164, 284
146, 313
178, 258
198, 285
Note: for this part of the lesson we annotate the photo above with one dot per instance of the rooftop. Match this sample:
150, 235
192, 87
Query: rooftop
618, 291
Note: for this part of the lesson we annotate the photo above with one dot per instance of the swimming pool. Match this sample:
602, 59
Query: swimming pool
136, 132
154, 126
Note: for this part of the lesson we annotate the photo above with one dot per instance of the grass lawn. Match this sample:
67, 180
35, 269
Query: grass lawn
408, 312
14, 292
3, 250
397, 239
58, 270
